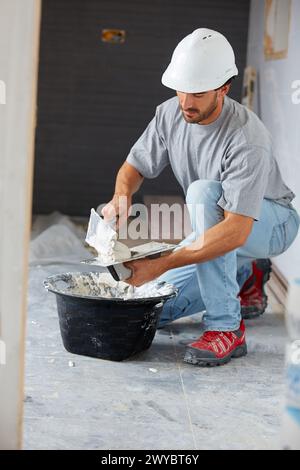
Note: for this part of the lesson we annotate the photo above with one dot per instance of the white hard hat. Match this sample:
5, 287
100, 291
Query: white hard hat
204, 60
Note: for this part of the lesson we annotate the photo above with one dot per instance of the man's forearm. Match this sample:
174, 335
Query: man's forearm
128, 180
217, 241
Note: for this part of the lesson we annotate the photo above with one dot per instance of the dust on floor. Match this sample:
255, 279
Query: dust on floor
154, 400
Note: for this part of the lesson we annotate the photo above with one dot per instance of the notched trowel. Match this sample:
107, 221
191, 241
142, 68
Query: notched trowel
103, 238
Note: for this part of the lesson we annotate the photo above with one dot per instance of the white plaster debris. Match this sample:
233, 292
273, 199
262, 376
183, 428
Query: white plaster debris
71, 364
56, 239
103, 285
153, 370
103, 238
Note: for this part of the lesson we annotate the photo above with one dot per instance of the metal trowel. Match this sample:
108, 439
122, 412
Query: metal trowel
102, 237
120, 272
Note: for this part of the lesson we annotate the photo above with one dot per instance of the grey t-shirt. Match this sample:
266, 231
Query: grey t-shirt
236, 150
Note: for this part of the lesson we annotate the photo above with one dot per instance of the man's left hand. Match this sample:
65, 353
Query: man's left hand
145, 270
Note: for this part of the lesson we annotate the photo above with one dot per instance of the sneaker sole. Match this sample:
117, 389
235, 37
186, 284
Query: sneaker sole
252, 312
191, 357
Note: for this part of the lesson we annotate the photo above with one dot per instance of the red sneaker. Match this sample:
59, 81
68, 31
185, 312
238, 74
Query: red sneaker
253, 298
215, 348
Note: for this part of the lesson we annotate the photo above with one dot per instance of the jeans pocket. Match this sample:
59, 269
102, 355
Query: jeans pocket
291, 229
181, 302
284, 234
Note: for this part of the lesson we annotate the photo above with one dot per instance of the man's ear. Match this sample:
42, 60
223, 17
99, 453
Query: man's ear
225, 89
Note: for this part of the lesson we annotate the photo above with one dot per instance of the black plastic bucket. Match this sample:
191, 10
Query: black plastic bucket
112, 329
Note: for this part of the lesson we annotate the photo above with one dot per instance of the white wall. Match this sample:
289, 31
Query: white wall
19, 38
275, 107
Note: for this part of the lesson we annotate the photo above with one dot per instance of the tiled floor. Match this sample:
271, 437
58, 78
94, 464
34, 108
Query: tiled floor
153, 401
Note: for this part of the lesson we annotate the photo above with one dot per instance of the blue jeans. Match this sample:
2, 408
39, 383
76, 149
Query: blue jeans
214, 286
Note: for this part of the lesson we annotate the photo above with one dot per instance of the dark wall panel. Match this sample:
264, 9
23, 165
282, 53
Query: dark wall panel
95, 99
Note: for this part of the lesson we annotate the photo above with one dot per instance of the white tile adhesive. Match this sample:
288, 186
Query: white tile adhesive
103, 285
103, 238
58, 241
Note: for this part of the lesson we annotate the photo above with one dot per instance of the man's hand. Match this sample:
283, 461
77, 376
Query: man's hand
117, 209
145, 270
127, 183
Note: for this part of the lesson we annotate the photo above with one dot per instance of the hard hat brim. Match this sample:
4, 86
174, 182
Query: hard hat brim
169, 80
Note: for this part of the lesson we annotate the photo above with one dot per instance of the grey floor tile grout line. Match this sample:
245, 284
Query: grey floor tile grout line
184, 392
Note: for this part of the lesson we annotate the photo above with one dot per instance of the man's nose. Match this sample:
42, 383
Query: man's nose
187, 100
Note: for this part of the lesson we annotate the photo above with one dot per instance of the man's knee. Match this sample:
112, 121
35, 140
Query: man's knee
203, 192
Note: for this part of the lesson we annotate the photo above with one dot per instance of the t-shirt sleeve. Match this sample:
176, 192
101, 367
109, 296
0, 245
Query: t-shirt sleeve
149, 154
244, 180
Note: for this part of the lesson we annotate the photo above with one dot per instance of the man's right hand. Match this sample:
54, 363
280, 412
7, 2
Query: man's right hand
117, 210
128, 182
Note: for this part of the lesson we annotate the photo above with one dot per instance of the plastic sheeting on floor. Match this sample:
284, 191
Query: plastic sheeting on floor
55, 240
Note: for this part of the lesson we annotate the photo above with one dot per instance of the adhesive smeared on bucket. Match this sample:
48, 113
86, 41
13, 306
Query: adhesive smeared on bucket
102, 285
103, 318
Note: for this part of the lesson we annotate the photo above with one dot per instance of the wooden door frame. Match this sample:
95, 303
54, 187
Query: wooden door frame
19, 48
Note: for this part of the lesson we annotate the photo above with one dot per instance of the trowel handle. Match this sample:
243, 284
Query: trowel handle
119, 272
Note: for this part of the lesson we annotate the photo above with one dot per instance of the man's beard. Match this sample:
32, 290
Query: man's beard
200, 116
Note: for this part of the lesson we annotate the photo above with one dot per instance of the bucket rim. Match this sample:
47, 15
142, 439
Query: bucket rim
48, 285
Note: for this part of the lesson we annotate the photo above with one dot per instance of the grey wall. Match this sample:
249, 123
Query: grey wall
280, 114
95, 99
